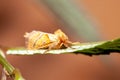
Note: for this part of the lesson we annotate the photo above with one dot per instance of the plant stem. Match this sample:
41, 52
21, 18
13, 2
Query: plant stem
6, 64
9, 68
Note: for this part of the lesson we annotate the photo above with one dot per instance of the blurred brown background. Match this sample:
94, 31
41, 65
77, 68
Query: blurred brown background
20, 16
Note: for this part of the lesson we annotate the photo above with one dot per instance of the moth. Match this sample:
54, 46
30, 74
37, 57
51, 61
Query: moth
41, 40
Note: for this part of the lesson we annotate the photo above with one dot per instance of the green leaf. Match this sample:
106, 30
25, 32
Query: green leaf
93, 48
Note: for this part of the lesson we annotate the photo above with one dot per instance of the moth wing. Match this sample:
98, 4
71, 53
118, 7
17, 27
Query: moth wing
31, 38
42, 42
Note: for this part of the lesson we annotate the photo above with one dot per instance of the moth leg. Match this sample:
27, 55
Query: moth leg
69, 44
53, 45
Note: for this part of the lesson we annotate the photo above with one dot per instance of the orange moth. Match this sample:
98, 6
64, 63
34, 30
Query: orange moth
42, 40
